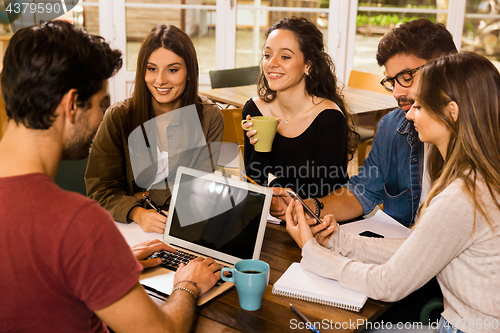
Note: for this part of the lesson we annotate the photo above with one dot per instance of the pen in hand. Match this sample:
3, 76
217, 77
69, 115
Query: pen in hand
151, 203
306, 321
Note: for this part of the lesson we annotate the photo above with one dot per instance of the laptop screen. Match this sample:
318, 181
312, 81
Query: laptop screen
216, 213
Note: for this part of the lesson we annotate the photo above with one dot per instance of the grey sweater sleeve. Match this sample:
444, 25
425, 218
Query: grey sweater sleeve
444, 231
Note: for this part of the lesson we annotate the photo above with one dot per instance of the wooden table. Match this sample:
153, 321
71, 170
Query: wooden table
358, 100
279, 250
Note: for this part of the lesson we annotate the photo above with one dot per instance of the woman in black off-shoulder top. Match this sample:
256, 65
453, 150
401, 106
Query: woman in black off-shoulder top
315, 137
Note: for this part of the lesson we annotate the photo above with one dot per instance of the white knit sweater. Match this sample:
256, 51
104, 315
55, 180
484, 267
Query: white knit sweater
466, 260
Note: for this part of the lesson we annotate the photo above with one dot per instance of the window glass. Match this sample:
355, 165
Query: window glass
481, 29
376, 18
85, 17
81, 15
252, 25
198, 23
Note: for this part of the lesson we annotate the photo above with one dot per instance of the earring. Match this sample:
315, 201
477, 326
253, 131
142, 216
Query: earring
307, 73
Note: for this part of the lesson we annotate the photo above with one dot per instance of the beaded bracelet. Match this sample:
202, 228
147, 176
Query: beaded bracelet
319, 205
194, 283
185, 289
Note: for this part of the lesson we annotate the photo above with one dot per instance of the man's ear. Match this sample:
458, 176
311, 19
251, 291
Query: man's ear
69, 106
452, 108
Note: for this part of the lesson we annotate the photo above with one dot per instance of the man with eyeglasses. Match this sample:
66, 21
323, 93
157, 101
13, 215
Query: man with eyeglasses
404, 78
392, 173
394, 168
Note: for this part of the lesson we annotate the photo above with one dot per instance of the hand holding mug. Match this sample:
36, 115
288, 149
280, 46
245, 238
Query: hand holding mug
261, 131
250, 133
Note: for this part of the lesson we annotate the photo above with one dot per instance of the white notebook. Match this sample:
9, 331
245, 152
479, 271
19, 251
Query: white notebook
299, 283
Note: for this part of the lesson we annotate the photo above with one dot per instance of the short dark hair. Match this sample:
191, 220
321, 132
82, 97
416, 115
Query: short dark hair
42, 63
421, 38
173, 39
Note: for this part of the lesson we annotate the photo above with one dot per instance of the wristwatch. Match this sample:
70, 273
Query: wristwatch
319, 205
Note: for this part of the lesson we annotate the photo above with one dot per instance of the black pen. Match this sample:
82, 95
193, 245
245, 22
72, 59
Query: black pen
151, 203
308, 323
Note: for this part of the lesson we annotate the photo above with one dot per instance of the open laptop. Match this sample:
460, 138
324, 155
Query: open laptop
212, 216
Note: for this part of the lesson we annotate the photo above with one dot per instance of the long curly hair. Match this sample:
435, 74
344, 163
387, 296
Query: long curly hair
321, 81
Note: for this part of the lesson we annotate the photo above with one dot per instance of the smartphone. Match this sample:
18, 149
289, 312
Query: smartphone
370, 234
307, 209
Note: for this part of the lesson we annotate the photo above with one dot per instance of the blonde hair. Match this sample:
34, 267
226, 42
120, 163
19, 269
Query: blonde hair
473, 152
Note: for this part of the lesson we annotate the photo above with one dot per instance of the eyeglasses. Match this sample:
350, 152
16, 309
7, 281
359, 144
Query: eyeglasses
404, 78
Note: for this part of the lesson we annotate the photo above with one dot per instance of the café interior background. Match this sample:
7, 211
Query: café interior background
230, 33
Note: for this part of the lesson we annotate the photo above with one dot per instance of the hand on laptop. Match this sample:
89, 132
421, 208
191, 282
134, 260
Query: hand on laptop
145, 249
204, 272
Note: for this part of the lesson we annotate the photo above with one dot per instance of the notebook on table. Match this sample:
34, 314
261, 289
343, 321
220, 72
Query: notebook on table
212, 216
299, 283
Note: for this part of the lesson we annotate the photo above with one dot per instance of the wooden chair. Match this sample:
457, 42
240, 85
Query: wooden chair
240, 136
240, 133
231, 129
232, 139
367, 81
242, 76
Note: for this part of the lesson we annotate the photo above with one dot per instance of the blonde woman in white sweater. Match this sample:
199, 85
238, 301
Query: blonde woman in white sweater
457, 237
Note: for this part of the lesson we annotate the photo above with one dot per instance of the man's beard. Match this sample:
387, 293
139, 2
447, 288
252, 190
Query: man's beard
79, 146
404, 101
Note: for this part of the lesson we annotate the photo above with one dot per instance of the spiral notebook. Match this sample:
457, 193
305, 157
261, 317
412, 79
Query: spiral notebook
299, 283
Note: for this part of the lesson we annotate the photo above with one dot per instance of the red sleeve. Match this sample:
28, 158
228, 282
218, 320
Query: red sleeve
99, 267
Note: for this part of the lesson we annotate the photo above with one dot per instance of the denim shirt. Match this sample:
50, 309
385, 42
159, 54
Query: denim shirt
392, 172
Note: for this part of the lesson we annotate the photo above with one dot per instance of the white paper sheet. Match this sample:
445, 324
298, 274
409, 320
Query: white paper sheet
381, 224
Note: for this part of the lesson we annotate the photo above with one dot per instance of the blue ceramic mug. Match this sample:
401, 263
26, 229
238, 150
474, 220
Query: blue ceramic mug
250, 278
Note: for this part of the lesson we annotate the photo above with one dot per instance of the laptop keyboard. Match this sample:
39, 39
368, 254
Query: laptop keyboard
171, 260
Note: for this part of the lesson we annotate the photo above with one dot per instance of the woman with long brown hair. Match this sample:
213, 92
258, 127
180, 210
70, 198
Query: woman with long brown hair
144, 139
457, 236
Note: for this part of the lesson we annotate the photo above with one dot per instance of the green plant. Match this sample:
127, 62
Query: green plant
385, 19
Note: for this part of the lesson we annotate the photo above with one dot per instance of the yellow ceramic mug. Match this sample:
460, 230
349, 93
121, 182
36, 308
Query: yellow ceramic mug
266, 130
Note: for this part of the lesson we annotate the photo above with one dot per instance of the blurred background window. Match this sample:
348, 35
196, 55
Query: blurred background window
230, 33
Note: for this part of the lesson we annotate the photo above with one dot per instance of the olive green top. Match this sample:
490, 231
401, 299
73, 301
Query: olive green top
109, 178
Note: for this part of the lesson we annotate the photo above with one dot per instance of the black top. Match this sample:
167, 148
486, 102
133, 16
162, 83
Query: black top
313, 164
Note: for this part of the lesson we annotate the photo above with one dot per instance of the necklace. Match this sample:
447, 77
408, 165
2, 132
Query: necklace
286, 122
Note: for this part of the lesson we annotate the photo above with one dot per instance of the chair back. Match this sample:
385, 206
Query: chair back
240, 133
367, 81
232, 128
234, 77
70, 175
231, 155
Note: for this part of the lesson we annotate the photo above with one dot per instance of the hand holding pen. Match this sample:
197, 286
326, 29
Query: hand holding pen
152, 204
150, 220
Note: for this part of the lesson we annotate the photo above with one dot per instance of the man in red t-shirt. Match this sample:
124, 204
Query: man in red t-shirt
64, 266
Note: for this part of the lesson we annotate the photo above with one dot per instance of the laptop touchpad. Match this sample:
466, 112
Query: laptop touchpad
161, 279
